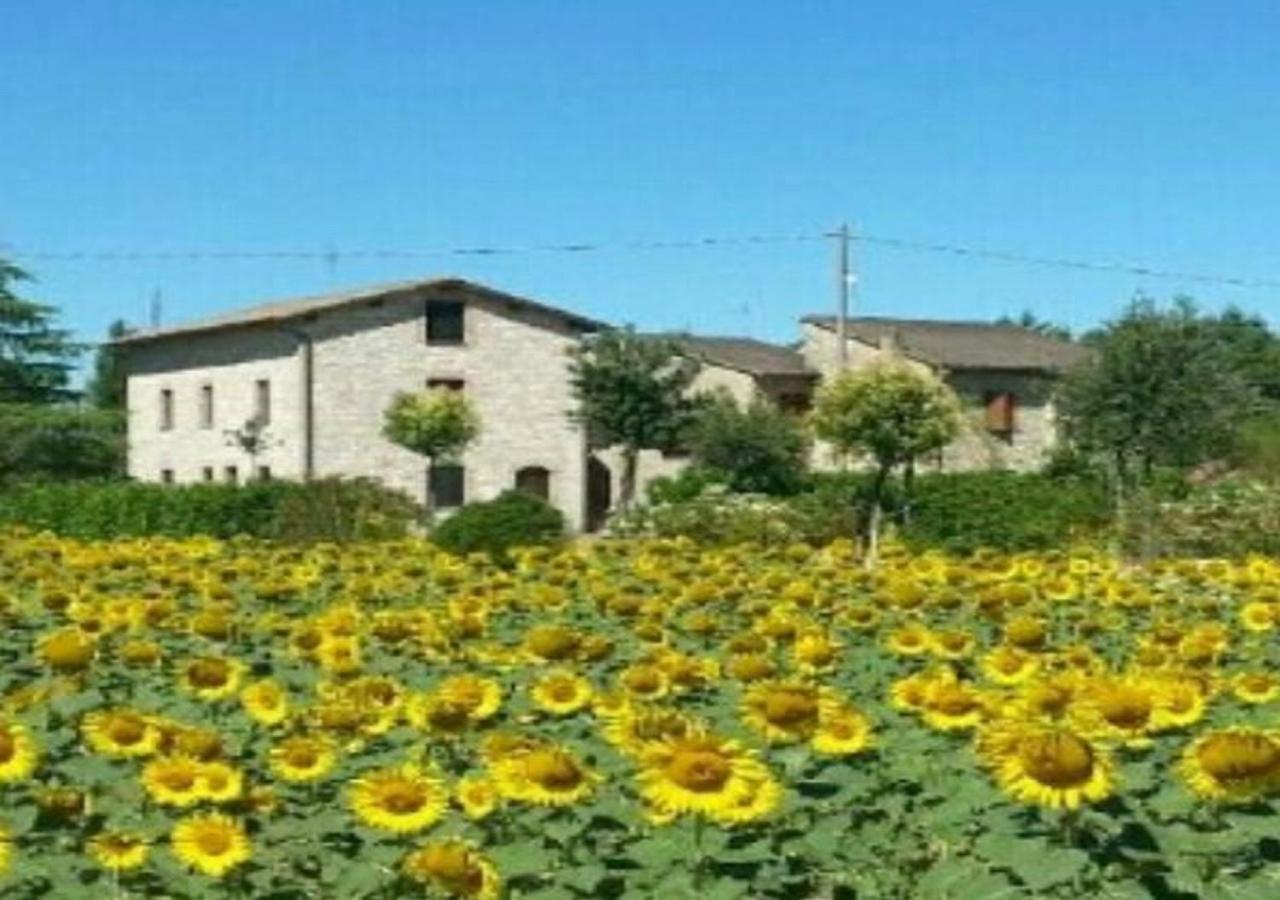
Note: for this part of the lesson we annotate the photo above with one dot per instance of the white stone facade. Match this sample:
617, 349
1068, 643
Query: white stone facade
513, 363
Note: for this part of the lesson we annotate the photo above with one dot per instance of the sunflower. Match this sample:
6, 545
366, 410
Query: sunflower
265, 702
1179, 702
1255, 687
546, 776
212, 844
480, 697
1232, 764
815, 651
118, 851
561, 692
1048, 698
783, 711
706, 775
6, 849
953, 706
644, 682
173, 780
211, 677
477, 796
1007, 665
303, 758
455, 869
18, 753
140, 653
951, 644
748, 667
1120, 709
842, 731
551, 643
1046, 765
220, 782
402, 799
67, 650
909, 640
1257, 617
120, 732
636, 731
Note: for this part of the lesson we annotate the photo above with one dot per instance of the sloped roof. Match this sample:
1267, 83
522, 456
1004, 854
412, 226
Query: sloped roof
965, 345
741, 354
284, 310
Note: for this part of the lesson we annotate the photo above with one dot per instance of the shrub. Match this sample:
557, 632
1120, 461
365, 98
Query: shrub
758, 450
329, 509
686, 485
57, 442
1236, 517
513, 519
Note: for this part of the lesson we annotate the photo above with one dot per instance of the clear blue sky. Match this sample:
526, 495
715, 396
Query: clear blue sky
1130, 131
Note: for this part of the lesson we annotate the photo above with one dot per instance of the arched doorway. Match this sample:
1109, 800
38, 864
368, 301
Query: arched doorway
535, 480
599, 493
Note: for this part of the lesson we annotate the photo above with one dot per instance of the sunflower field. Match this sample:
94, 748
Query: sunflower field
637, 719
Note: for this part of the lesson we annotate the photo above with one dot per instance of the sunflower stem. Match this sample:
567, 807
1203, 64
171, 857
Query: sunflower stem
700, 857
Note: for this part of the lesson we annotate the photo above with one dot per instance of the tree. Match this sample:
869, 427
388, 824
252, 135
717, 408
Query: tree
759, 449
106, 390
437, 423
632, 393
1163, 388
60, 442
35, 357
891, 412
1030, 321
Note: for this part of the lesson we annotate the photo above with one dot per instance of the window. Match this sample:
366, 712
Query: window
535, 480
445, 322
262, 401
446, 384
446, 484
795, 403
1001, 412
264, 473
206, 406
207, 473
166, 476
166, 409
231, 475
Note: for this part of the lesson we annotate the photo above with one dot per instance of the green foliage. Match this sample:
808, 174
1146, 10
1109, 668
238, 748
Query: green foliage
888, 411
1030, 321
513, 519
35, 357
60, 442
632, 393
1164, 387
687, 484
1257, 447
962, 512
437, 423
759, 450
1232, 518
106, 389
329, 509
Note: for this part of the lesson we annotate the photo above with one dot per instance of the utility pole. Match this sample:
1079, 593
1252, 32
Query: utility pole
844, 274
155, 312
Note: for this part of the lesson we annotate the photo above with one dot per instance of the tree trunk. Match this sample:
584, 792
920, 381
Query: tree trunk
877, 514
627, 485
908, 491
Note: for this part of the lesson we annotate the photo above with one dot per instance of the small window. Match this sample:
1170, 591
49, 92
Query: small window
445, 322
446, 483
166, 409
231, 475
262, 401
535, 480
264, 473
446, 384
166, 476
206, 406
1001, 412
207, 473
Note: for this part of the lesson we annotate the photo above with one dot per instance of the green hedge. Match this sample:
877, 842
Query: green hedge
326, 509
513, 519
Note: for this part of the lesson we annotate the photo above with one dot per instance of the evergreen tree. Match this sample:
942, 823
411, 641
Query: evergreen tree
36, 358
106, 389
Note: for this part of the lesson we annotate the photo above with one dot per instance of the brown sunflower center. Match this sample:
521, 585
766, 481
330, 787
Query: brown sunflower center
703, 771
1126, 709
126, 730
453, 866
209, 673
790, 708
8, 747
952, 701
1057, 759
1239, 757
302, 757
177, 779
403, 798
553, 769
213, 841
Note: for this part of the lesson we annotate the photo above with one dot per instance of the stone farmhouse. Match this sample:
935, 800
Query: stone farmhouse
317, 373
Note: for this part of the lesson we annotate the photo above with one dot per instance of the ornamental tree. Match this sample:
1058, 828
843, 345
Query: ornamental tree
437, 423
889, 412
36, 358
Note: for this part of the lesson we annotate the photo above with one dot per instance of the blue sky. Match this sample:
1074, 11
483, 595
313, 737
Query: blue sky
1137, 132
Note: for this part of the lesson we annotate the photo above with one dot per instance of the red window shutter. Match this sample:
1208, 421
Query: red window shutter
1000, 412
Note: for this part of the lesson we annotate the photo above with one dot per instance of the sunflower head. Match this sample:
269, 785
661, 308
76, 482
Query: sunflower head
454, 868
1234, 764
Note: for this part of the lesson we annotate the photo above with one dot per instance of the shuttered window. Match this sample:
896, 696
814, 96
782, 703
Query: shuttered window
446, 483
1001, 412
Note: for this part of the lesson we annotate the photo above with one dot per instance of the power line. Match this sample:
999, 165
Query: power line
333, 256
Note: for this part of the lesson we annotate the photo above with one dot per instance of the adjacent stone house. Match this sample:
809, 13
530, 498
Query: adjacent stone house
1004, 374
317, 374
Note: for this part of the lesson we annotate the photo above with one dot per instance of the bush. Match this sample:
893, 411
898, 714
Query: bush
514, 519
757, 450
60, 442
328, 509
1236, 517
688, 484
714, 517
